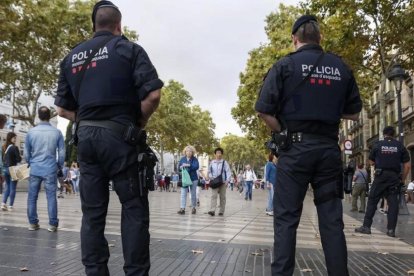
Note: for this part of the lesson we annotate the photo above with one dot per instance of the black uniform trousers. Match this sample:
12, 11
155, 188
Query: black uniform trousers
384, 185
315, 161
103, 156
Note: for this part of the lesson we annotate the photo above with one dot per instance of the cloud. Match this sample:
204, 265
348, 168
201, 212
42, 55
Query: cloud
202, 43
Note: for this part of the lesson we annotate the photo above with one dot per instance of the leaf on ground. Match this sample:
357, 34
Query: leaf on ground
264, 249
213, 262
248, 271
317, 236
410, 272
159, 240
197, 251
221, 240
23, 269
111, 245
52, 263
383, 253
256, 254
306, 270
6, 229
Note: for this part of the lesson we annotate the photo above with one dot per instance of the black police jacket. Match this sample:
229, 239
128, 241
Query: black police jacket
389, 154
117, 79
327, 94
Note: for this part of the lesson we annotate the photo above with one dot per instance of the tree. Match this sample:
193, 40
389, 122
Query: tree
240, 151
370, 35
33, 44
176, 123
261, 59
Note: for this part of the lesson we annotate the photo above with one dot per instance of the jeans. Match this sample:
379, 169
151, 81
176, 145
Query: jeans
249, 185
270, 199
184, 191
75, 183
10, 188
50, 182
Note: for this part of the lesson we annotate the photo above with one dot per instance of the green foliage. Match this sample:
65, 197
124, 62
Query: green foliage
36, 35
176, 123
260, 61
240, 151
367, 34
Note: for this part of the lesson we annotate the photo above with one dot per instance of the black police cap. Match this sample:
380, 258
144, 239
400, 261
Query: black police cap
302, 20
102, 4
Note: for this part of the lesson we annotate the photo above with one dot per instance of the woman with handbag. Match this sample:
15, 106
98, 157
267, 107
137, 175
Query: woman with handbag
11, 156
189, 166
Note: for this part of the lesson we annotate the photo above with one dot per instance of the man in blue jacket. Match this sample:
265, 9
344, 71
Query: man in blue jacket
42, 144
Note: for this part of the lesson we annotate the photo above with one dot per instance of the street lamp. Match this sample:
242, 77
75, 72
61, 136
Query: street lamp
397, 75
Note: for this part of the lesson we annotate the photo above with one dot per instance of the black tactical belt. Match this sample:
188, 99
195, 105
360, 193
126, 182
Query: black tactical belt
298, 137
111, 125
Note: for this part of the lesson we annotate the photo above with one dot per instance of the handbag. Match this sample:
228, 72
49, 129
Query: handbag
19, 172
186, 179
218, 180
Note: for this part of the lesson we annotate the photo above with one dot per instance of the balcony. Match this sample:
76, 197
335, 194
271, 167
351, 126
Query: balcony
370, 114
376, 108
389, 97
407, 111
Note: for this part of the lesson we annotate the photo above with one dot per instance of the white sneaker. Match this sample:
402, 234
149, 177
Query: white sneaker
269, 213
4, 207
52, 228
10, 208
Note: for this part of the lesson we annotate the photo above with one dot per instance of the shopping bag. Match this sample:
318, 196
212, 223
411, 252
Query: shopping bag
19, 172
186, 179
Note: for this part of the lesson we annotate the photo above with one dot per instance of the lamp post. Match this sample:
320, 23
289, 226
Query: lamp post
397, 75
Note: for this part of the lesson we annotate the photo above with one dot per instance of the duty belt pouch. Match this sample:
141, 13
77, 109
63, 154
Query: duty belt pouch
378, 172
135, 136
282, 140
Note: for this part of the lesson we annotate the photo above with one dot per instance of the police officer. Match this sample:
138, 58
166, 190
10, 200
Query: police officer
111, 97
387, 156
303, 98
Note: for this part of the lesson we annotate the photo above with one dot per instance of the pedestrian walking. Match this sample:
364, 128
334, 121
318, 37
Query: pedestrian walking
249, 178
11, 157
174, 179
3, 121
302, 100
388, 156
109, 86
270, 176
240, 182
360, 189
167, 181
45, 154
75, 176
189, 163
219, 168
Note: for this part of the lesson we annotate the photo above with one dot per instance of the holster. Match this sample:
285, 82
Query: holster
146, 167
74, 138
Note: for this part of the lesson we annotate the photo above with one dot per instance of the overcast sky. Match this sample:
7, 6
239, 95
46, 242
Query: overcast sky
203, 44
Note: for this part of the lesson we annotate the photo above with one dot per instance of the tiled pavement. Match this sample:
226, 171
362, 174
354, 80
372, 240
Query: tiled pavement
237, 244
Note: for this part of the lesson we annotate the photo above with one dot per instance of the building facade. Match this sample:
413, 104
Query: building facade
365, 132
